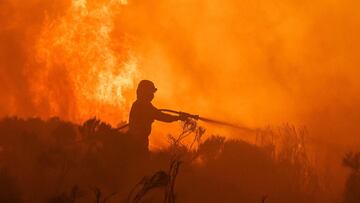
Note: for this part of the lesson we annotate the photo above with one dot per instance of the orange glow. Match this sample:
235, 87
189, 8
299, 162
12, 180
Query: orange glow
254, 63
80, 45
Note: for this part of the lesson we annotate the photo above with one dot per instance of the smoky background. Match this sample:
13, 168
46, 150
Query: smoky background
255, 63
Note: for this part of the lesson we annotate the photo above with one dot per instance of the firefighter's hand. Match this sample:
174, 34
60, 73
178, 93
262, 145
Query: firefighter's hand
183, 117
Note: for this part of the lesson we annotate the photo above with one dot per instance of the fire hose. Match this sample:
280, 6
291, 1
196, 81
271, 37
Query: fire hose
197, 117
208, 120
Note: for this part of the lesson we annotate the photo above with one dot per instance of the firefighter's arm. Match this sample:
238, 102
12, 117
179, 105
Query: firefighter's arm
160, 116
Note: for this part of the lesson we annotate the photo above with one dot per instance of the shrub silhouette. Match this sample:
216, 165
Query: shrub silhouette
47, 158
352, 185
9, 191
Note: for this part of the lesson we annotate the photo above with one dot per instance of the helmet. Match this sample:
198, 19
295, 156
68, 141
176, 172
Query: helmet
146, 86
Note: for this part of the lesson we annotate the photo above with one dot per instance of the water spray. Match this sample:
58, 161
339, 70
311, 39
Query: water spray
208, 120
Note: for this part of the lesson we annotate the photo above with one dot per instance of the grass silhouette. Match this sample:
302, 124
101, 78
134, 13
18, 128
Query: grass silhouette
58, 161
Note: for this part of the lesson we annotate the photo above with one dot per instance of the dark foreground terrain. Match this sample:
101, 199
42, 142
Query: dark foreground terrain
61, 162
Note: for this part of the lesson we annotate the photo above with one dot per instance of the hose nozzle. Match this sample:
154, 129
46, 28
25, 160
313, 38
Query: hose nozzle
187, 115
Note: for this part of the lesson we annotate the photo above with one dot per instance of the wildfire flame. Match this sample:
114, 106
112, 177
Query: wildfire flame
80, 43
253, 63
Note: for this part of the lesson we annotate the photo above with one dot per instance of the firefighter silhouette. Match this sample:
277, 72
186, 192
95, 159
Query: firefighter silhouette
143, 114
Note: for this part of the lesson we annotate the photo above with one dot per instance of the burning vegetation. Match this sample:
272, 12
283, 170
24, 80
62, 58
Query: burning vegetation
57, 161
256, 63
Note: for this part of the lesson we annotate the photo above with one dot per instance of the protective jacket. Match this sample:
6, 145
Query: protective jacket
142, 115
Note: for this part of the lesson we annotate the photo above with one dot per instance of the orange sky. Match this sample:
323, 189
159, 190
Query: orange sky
256, 63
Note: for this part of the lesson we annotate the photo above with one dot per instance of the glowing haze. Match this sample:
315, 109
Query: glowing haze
252, 62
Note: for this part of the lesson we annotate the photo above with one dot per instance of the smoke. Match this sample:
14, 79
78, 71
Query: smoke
260, 63
21, 23
255, 63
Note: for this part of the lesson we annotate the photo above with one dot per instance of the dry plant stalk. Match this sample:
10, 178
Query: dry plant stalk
162, 179
99, 198
159, 179
170, 195
178, 149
